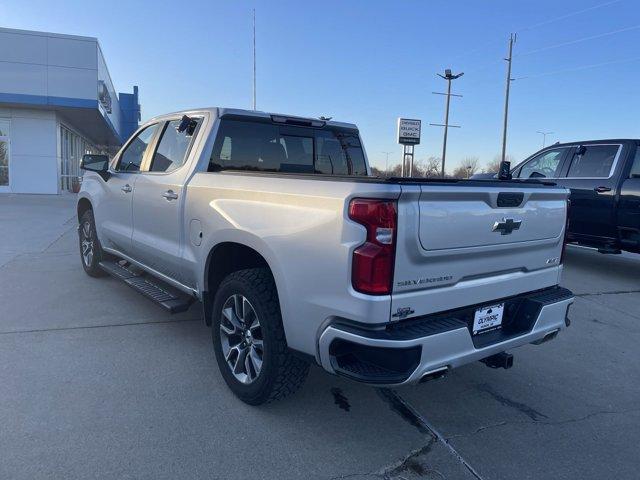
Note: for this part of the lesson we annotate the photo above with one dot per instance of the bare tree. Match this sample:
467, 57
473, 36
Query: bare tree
394, 171
432, 167
467, 167
494, 165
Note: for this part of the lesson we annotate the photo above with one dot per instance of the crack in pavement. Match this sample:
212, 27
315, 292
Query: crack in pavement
543, 422
507, 402
411, 463
589, 299
613, 292
151, 322
408, 413
59, 236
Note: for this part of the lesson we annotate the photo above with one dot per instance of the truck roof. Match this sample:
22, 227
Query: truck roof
581, 142
238, 112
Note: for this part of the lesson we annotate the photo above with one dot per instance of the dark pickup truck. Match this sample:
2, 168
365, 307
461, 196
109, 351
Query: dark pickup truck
604, 178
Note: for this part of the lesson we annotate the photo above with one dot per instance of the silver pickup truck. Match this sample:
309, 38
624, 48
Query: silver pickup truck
298, 255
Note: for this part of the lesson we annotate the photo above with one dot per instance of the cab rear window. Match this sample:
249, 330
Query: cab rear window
267, 147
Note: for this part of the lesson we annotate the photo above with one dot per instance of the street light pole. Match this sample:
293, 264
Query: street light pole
386, 167
544, 136
254, 58
448, 76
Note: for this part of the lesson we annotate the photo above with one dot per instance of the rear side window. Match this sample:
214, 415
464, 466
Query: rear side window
172, 149
266, 147
546, 165
131, 158
595, 162
635, 169
340, 153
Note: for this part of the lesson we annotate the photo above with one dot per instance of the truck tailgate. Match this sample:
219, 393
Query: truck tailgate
464, 245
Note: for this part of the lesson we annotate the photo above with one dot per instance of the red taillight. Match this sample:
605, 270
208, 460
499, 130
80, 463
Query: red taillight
372, 268
566, 232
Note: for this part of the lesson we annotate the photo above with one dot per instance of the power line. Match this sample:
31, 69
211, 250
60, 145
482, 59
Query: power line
579, 40
568, 15
581, 67
537, 25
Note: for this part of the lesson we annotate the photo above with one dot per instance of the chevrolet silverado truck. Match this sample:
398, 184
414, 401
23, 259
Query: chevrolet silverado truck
299, 256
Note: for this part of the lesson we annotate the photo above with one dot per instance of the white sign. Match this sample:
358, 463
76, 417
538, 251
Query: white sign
408, 131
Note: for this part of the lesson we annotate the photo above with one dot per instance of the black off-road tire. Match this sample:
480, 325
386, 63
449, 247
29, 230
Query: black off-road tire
281, 373
91, 267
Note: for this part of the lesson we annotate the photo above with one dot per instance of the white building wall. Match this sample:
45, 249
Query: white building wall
42, 64
45, 77
33, 164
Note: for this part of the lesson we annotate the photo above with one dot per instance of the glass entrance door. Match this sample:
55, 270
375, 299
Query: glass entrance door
4, 154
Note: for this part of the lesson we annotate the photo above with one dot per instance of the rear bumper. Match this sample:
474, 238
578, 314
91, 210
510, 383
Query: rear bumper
405, 352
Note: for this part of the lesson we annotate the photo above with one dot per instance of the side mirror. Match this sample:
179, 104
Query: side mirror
96, 163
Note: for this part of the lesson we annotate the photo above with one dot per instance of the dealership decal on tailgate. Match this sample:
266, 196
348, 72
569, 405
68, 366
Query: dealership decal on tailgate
488, 318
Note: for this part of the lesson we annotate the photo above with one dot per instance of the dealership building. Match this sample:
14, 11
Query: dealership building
57, 102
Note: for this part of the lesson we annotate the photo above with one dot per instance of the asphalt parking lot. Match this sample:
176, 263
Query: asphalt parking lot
98, 382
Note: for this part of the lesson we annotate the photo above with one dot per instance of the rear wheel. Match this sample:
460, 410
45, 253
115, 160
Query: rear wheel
91, 253
249, 341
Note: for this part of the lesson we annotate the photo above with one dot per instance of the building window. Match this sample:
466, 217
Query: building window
4, 152
72, 148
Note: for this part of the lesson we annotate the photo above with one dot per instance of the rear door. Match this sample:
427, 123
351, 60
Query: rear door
114, 217
157, 238
590, 173
629, 206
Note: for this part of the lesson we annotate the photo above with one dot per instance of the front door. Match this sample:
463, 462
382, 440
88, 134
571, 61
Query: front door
157, 204
590, 176
114, 218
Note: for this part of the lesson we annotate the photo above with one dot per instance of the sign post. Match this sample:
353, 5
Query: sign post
408, 137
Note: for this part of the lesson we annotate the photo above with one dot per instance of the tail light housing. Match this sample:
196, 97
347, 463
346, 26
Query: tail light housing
566, 232
373, 261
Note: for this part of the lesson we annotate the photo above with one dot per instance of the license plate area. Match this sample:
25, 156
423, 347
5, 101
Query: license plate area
487, 319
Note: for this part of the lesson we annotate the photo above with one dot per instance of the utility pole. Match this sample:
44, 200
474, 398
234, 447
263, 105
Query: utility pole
448, 76
254, 58
386, 168
544, 136
512, 40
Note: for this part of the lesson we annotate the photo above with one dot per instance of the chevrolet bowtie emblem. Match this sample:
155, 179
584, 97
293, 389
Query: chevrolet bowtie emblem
506, 226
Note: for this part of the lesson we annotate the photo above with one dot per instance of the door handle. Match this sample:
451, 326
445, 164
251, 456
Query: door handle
170, 195
602, 189
126, 188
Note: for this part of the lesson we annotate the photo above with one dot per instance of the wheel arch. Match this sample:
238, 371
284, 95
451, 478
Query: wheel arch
223, 259
84, 204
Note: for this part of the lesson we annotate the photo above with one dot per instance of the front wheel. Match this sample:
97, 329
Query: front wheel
249, 342
90, 250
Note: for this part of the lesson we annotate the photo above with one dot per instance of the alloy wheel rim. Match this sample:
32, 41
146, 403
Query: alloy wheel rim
86, 244
241, 338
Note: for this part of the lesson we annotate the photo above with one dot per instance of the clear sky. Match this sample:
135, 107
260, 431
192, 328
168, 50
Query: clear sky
370, 61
